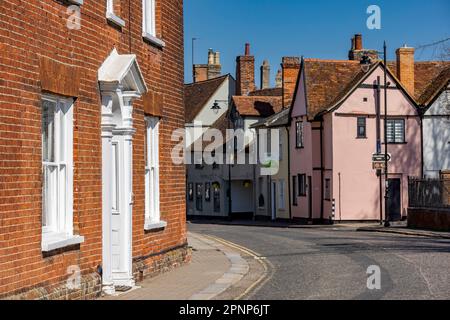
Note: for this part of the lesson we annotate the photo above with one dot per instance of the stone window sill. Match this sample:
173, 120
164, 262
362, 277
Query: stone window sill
151, 226
53, 241
115, 19
153, 40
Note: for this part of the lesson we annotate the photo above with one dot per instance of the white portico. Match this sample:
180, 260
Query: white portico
120, 81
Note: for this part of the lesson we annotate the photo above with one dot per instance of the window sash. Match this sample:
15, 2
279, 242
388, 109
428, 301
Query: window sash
152, 192
294, 190
361, 127
57, 169
395, 131
301, 185
149, 14
299, 134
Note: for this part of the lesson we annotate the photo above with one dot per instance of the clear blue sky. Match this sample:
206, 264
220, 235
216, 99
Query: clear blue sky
314, 29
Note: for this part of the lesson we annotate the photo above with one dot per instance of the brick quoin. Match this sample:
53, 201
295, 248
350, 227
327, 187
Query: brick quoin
34, 38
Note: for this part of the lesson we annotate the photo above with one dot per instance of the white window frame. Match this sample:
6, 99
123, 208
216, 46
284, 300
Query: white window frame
152, 191
281, 194
111, 15
149, 22
59, 231
299, 138
393, 129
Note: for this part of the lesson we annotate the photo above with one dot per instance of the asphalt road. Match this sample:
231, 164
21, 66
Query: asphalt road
331, 262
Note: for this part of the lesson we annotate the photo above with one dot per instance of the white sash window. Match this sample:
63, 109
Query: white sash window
152, 198
113, 12
149, 14
57, 172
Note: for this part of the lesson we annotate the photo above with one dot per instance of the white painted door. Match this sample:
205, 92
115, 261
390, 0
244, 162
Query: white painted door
120, 237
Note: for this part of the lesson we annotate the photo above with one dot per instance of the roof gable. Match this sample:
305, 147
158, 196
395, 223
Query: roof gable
196, 95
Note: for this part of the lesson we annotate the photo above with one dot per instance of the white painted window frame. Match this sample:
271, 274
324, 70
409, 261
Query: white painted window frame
152, 191
149, 23
77, 2
111, 15
59, 233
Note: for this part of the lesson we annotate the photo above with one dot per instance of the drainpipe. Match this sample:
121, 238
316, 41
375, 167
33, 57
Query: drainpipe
289, 172
322, 169
422, 166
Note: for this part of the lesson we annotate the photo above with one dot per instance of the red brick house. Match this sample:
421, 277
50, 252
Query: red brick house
90, 92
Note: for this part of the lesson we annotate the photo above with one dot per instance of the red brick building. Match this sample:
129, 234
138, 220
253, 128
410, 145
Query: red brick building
90, 92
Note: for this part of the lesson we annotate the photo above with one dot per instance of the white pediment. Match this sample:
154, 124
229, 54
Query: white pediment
123, 70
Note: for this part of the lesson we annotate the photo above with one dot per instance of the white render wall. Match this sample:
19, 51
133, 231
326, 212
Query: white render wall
436, 136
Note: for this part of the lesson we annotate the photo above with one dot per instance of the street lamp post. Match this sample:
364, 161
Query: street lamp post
386, 162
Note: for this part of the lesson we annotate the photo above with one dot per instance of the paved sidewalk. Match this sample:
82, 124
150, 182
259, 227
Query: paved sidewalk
402, 230
214, 269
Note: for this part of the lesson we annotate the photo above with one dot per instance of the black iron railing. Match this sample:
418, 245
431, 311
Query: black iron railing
429, 193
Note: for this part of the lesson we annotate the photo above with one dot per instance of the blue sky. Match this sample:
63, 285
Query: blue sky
314, 29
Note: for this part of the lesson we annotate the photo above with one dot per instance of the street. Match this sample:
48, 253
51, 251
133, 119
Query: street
332, 262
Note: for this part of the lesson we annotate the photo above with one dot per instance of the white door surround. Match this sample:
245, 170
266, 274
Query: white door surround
120, 83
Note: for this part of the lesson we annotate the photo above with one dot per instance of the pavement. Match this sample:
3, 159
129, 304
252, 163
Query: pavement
332, 262
219, 270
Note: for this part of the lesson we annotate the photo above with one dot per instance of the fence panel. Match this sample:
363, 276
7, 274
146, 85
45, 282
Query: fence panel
429, 193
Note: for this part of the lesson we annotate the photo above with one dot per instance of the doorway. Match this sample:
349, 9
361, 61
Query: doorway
394, 200
310, 201
274, 200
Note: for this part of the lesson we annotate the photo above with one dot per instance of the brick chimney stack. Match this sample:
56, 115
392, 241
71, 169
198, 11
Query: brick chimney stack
358, 42
245, 73
208, 71
357, 50
265, 75
290, 69
405, 67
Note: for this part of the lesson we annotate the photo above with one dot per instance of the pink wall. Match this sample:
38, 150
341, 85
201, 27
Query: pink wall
355, 184
347, 160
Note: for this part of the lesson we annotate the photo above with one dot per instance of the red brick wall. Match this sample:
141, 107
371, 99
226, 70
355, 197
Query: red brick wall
291, 69
35, 28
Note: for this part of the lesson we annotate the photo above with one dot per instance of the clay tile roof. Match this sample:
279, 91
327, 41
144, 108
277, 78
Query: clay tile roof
434, 88
258, 106
425, 74
280, 119
267, 92
196, 95
327, 81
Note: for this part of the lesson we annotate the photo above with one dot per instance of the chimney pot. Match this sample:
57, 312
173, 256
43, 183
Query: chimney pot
247, 49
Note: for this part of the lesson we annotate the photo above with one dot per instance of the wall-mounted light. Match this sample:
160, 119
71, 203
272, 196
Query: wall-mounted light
216, 108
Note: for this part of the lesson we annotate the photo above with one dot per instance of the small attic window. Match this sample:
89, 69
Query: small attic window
365, 99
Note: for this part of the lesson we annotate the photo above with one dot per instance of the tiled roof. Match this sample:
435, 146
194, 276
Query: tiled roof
196, 95
327, 81
267, 92
434, 87
258, 106
279, 119
425, 74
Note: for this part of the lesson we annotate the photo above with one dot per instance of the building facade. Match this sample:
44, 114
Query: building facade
90, 96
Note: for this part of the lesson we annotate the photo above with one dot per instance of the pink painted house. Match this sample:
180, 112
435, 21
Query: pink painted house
334, 136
